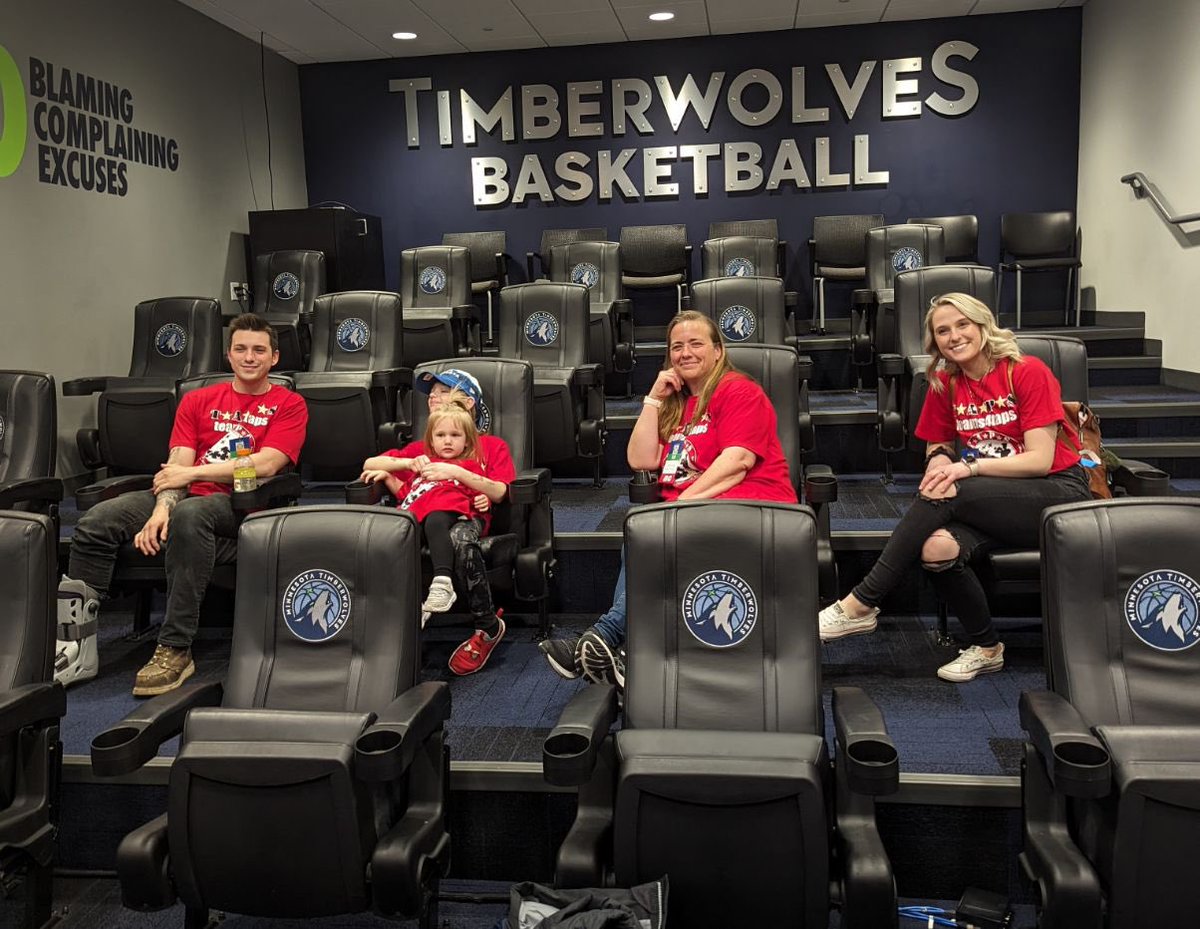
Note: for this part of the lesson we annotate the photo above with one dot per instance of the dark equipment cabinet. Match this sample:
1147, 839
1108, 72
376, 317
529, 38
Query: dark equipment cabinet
352, 242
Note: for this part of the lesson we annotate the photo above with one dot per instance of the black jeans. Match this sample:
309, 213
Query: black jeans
453, 541
987, 513
201, 533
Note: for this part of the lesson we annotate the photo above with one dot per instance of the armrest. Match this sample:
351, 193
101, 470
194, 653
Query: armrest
790, 300
643, 488
1075, 760
128, 745
464, 312
365, 494
889, 365
570, 751
502, 260
530, 487
271, 491
31, 490
83, 386
1139, 479
392, 377
862, 297
529, 265
387, 748
589, 375
866, 750
687, 264
87, 497
31, 704
805, 367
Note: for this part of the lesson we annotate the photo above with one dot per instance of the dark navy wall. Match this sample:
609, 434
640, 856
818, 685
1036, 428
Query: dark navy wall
1016, 150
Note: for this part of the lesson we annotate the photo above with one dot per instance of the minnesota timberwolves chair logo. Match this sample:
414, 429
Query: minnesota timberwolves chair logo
483, 417
739, 267
433, 280
316, 605
541, 329
353, 334
1163, 610
2, 428
170, 340
286, 285
737, 323
585, 273
719, 609
906, 259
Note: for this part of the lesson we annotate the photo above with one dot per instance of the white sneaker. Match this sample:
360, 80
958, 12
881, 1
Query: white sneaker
835, 624
970, 662
441, 596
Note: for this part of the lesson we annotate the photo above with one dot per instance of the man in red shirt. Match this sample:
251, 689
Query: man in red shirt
188, 514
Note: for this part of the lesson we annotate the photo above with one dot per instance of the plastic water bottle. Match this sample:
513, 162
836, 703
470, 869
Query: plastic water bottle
244, 476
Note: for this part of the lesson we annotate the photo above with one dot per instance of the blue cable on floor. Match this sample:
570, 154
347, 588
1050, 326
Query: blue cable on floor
930, 915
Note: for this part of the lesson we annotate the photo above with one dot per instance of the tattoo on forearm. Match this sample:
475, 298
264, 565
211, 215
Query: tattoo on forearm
169, 498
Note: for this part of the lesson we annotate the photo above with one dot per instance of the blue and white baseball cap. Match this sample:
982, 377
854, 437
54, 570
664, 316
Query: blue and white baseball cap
456, 379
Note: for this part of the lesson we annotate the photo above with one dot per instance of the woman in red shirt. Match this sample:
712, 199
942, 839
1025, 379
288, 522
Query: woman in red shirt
1005, 409
710, 431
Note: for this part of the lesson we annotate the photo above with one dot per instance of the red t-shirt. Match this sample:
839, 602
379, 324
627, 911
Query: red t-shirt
421, 497
215, 421
992, 420
740, 414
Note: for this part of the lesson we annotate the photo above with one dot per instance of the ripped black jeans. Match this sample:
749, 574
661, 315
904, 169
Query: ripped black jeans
454, 549
987, 513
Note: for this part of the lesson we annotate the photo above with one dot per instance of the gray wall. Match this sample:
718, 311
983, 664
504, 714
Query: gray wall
73, 261
1140, 83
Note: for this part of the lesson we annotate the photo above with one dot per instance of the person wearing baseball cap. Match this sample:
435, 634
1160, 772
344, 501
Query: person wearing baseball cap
455, 386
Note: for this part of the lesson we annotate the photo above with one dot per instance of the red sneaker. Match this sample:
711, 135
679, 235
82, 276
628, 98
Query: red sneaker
474, 653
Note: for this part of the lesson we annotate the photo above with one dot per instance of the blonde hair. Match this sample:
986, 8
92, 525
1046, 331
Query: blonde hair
996, 342
671, 415
459, 416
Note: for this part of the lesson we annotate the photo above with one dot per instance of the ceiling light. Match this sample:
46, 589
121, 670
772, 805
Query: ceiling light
404, 35
661, 17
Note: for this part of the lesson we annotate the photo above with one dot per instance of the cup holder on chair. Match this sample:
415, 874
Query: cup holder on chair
873, 765
377, 753
116, 737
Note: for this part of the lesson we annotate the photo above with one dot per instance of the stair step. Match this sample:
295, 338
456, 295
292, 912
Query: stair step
1100, 363
1143, 447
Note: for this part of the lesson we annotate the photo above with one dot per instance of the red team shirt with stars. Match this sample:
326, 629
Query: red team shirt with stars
421, 497
992, 420
214, 421
739, 413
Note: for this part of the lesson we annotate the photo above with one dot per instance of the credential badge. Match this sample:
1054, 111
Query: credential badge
719, 609
316, 605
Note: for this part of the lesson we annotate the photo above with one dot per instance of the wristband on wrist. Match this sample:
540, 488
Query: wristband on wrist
973, 468
651, 401
941, 450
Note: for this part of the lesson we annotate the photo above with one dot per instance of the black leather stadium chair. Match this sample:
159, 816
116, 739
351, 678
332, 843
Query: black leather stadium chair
553, 237
1111, 768
655, 257
961, 236
173, 338
489, 265
31, 707
719, 775
285, 285
519, 548
435, 290
546, 324
765, 228
355, 380
597, 266
313, 780
28, 443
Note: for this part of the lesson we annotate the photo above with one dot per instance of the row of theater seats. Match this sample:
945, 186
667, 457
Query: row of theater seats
313, 780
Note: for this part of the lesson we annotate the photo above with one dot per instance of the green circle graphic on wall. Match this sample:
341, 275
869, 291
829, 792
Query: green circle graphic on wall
12, 106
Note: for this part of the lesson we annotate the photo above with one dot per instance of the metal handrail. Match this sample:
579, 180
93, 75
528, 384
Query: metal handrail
1142, 188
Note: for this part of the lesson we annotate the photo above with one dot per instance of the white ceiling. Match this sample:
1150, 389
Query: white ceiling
307, 31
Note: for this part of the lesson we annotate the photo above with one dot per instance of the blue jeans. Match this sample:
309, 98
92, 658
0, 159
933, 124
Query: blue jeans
611, 626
